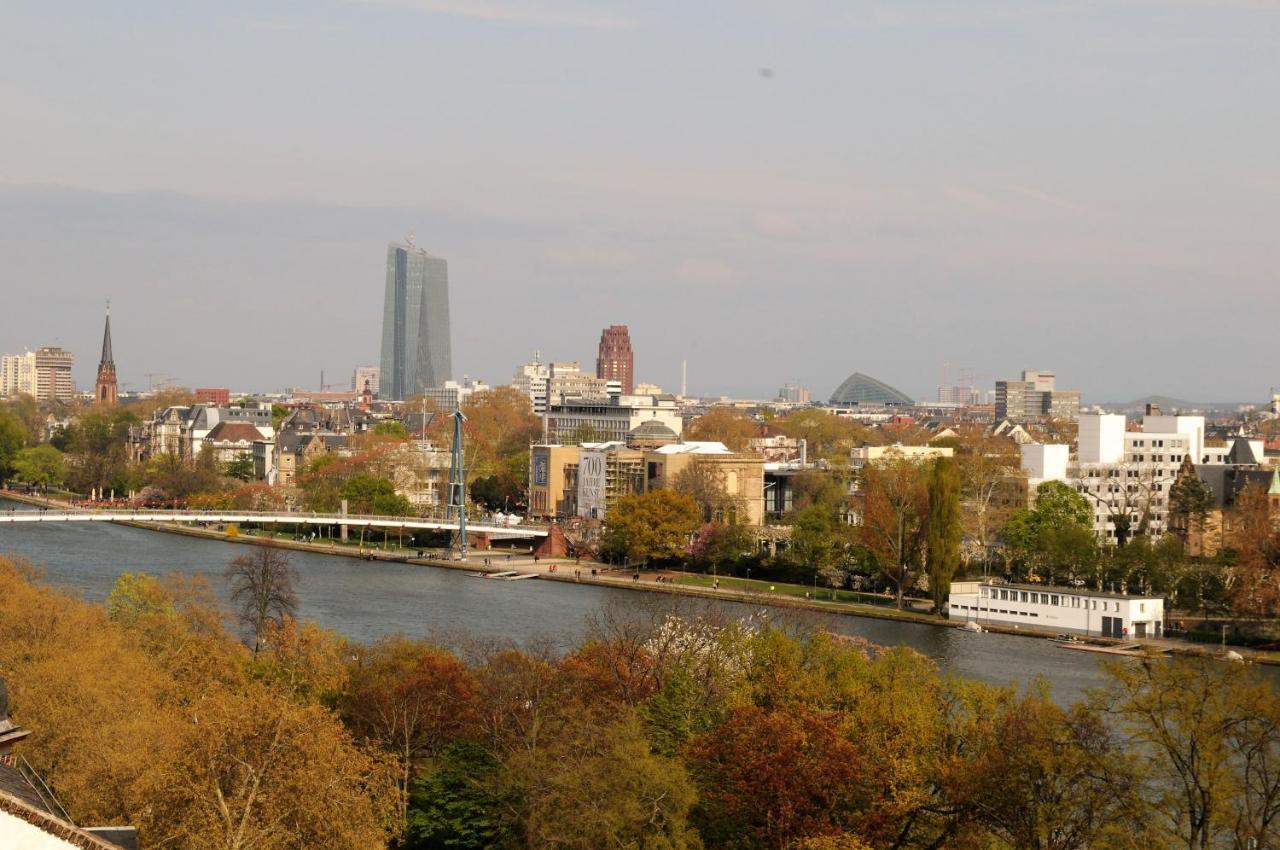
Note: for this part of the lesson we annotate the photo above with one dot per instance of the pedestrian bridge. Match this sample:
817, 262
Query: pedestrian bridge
504, 527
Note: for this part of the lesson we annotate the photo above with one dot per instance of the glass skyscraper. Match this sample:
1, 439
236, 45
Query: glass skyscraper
415, 323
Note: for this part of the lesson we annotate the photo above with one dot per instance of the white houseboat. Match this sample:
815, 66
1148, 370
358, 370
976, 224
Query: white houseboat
1071, 610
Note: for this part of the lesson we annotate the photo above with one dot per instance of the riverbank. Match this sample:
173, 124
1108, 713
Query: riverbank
565, 571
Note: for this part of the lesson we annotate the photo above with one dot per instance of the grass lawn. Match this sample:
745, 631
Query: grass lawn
782, 588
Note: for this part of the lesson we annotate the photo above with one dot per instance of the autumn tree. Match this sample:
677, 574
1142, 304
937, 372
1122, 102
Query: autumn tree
826, 435
409, 699
988, 465
723, 425
770, 778
597, 785
1213, 742
262, 590
942, 538
653, 526
895, 506
1252, 537
255, 769
500, 423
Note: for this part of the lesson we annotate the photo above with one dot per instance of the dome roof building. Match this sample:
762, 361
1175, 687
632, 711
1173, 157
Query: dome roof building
860, 389
651, 435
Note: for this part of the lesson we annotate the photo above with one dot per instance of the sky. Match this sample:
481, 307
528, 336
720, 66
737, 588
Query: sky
776, 191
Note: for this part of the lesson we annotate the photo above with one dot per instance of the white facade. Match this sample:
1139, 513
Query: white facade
863, 455
1100, 438
1058, 609
18, 375
1191, 426
1045, 462
612, 419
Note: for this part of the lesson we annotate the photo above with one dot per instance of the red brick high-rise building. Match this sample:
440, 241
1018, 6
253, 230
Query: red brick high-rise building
615, 361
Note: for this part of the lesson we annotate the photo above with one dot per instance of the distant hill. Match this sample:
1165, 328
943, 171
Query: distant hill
1168, 404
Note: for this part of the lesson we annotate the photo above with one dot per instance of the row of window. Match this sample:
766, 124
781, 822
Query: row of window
980, 609
1036, 598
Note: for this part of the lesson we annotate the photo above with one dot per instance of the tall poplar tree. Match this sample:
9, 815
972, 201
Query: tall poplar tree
942, 538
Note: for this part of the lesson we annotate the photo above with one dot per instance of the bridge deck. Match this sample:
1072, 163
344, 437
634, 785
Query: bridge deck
284, 518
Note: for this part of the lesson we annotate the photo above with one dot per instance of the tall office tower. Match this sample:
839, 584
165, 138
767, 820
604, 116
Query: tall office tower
106, 391
615, 361
18, 375
415, 323
53, 374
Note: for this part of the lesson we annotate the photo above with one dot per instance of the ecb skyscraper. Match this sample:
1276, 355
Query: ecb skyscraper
415, 323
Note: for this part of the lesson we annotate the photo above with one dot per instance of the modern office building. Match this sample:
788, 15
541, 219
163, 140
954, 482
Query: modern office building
609, 419
1035, 396
18, 375
105, 389
863, 390
369, 376
615, 361
53, 374
416, 348
794, 394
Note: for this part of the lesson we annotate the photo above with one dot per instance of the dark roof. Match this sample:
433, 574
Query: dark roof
106, 342
864, 389
44, 820
15, 783
1226, 483
234, 432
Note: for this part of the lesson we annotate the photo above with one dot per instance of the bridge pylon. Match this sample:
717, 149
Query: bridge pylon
458, 488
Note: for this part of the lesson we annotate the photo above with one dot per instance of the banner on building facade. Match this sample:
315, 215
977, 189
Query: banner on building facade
591, 484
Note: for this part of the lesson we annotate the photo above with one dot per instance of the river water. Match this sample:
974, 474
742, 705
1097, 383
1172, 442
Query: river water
365, 600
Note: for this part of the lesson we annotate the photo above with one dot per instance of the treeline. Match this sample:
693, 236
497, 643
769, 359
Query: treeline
660, 730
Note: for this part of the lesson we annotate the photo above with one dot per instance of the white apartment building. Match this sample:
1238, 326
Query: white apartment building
1125, 475
1057, 609
611, 419
18, 375
551, 383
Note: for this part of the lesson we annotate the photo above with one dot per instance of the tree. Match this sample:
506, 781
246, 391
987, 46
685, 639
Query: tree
256, 770
372, 494
942, 540
770, 778
1189, 503
813, 543
895, 504
12, 438
825, 434
500, 423
410, 699
719, 545
391, 428
704, 482
451, 807
585, 433
723, 425
241, 468
1255, 585
597, 785
1211, 733
40, 465
262, 589
1056, 534
653, 526
987, 464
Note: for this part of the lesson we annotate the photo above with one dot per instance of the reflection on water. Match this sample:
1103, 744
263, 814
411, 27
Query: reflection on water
365, 600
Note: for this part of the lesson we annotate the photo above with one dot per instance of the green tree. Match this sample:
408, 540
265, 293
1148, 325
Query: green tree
240, 469
41, 465
450, 806
391, 428
1057, 505
942, 537
372, 494
1189, 502
12, 438
653, 526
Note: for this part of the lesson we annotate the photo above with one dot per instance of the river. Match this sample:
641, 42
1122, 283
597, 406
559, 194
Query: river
368, 599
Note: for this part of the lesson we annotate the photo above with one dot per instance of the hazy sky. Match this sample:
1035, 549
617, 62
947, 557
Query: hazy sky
780, 191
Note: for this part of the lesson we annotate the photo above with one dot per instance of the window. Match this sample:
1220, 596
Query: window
1053, 599
1024, 596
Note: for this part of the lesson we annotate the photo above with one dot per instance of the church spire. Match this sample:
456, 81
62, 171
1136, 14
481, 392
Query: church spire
106, 340
106, 390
